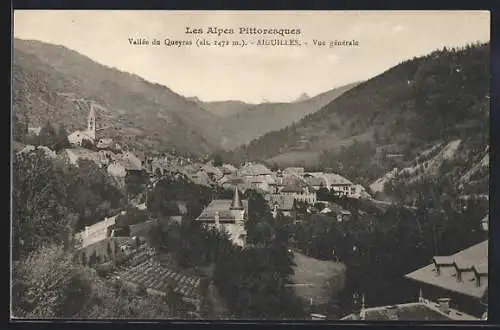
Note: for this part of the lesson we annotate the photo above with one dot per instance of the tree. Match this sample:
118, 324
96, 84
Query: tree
86, 143
48, 136
38, 217
217, 160
19, 130
93, 259
109, 250
62, 139
323, 194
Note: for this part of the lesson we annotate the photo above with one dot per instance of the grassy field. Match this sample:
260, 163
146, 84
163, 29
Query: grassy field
317, 279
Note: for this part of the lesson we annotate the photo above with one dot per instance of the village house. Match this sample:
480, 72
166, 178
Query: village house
461, 278
73, 155
298, 171
201, 178
230, 181
335, 210
229, 169
283, 204
227, 215
29, 148
105, 143
284, 180
420, 310
337, 184
257, 175
117, 170
302, 193
77, 137
213, 172
316, 182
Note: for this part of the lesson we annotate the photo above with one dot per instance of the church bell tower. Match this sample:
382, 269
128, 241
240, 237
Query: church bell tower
237, 206
91, 125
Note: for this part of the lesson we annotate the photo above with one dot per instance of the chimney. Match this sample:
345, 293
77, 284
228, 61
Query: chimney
444, 305
392, 312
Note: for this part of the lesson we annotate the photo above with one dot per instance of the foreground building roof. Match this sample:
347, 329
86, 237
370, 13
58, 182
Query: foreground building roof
221, 207
465, 272
254, 169
424, 310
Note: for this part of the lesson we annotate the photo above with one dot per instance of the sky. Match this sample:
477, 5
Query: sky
253, 73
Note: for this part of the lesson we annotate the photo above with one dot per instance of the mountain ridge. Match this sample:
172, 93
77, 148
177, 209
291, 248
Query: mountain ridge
48, 78
109, 87
401, 112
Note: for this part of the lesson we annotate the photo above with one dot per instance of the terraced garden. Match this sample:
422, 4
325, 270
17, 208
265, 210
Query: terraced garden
156, 278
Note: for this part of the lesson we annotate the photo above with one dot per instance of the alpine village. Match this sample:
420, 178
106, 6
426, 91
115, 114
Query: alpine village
366, 202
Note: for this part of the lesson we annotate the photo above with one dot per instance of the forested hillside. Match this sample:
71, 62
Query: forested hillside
257, 120
390, 119
53, 82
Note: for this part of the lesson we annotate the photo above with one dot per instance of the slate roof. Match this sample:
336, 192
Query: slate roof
315, 181
417, 311
222, 206
473, 260
292, 188
291, 180
254, 169
335, 179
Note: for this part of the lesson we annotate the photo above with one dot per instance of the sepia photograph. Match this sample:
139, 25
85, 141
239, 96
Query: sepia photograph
250, 165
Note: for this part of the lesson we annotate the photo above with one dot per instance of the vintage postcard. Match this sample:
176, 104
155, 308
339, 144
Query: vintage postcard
250, 165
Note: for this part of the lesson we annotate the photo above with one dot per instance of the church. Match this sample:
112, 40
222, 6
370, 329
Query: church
77, 137
227, 215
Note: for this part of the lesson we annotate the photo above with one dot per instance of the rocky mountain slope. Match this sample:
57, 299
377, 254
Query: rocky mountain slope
391, 119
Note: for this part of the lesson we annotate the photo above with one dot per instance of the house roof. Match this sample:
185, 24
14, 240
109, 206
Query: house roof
470, 259
416, 311
296, 170
284, 203
293, 188
336, 208
315, 181
201, 178
128, 164
212, 169
335, 179
229, 168
292, 179
222, 206
254, 169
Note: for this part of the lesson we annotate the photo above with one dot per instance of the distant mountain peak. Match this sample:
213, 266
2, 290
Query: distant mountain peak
302, 97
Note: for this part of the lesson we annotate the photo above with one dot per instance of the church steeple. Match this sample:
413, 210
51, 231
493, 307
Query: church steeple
236, 203
91, 125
